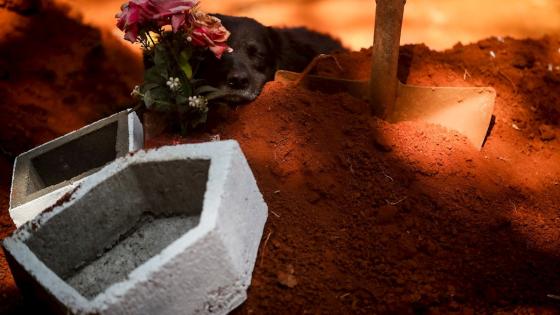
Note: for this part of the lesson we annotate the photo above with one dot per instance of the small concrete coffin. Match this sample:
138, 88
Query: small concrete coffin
169, 231
44, 174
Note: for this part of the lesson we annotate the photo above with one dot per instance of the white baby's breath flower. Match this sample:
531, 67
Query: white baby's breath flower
174, 84
198, 102
136, 91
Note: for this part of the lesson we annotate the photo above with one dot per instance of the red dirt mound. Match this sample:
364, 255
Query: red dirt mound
52, 82
368, 217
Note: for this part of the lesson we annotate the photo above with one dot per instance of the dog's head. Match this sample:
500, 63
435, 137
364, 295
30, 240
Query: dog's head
241, 75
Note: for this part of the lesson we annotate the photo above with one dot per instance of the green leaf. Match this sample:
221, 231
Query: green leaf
148, 99
205, 89
161, 93
187, 70
186, 89
149, 86
154, 75
181, 99
184, 63
215, 95
161, 59
160, 99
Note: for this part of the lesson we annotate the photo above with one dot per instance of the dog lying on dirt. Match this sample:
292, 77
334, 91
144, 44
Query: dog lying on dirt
258, 51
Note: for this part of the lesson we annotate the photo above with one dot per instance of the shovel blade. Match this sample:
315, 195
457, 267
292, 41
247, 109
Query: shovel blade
358, 89
467, 110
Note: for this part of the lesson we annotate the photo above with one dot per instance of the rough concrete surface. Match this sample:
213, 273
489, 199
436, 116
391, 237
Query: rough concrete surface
115, 208
44, 174
147, 240
124, 243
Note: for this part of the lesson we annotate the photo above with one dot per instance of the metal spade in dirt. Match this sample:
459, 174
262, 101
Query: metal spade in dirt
467, 110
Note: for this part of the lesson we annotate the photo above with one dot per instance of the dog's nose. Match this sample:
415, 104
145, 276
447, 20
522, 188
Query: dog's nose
238, 80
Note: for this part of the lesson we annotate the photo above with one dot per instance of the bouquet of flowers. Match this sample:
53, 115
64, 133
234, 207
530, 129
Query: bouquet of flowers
170, 31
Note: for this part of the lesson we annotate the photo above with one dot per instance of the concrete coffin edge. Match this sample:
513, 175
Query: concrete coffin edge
24, 207
142, 292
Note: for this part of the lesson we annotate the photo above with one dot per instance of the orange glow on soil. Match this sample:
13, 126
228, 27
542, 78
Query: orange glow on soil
437, 23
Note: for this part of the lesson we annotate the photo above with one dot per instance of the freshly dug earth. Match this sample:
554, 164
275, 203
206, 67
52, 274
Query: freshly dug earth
367, 217
56, 75
372, 218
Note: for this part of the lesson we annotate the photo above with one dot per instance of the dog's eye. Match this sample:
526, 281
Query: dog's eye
252, 50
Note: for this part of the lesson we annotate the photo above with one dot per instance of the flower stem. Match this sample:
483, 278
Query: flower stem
171, 49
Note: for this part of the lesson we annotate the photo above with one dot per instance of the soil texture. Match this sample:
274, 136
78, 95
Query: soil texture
365, 217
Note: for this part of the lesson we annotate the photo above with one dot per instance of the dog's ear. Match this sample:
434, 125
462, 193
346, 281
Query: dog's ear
274, 44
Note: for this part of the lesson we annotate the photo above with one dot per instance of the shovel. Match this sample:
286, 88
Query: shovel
467, 110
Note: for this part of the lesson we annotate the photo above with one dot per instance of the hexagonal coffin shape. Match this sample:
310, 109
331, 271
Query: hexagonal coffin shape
168, 231
44, 174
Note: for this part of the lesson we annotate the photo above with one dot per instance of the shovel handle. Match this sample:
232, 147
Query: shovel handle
384, 83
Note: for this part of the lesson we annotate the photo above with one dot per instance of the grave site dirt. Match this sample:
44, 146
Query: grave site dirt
365, 217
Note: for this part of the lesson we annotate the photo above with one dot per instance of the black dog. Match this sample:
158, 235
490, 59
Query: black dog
258, 51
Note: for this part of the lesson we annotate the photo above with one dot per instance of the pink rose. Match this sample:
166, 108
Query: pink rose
138, 14
174, 12
208, 31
